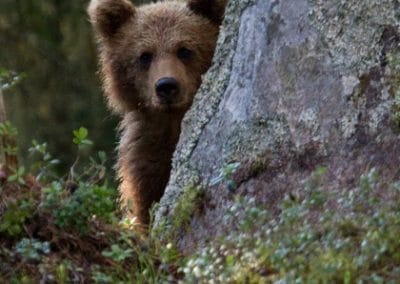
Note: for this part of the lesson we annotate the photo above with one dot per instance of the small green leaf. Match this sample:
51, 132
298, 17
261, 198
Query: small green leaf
21, 171
12, 178
80, 137
83, 133
230, 260
86, 142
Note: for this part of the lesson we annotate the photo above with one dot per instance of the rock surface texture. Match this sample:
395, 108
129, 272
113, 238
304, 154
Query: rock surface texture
294, 85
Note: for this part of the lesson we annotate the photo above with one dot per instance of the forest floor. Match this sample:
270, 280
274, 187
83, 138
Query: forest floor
69, 229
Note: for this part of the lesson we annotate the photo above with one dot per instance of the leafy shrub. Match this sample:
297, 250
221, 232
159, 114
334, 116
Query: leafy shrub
86, 203
308, 242
32, 249
15, 216
69, 227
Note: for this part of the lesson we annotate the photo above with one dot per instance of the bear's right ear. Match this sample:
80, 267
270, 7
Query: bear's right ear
210, 9
108, 16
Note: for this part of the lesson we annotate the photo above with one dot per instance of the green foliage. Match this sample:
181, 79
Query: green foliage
15, 216
32, 249
9, 79
62, 272
225, 176
44, 163
80, 137
51, 230
189, 203
8, 133
101, 277
8, 130
85, 204
168, 232
117, 253
74, 219
138, 262
18, 176
310, 241
49, 44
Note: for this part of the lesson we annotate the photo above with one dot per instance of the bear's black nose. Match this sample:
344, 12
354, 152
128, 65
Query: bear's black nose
167, 88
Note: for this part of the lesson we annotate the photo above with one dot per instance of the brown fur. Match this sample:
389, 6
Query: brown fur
150, 128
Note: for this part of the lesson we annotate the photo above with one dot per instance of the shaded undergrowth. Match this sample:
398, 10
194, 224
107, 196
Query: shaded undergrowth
319, 236
69, 229
63, 229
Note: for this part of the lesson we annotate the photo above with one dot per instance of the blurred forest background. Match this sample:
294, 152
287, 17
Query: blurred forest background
50, 45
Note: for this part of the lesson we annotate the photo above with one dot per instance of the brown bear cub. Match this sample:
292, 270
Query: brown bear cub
152, 58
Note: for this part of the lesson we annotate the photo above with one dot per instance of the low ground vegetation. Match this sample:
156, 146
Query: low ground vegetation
63, 229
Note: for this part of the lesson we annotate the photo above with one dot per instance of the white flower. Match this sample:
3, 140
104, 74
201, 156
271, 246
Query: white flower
197, 271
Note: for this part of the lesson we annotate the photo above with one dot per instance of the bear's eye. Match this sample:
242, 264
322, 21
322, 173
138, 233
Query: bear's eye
145, 59
184, 54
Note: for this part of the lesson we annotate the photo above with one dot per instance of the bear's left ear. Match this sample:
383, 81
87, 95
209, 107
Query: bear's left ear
210, 9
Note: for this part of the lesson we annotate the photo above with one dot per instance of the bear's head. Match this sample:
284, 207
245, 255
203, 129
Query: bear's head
152, 57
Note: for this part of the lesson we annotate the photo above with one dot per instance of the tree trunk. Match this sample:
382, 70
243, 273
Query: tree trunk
294, 85
8, 143
3, 116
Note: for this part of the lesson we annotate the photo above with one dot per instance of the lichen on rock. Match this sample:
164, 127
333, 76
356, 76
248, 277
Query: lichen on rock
353, 29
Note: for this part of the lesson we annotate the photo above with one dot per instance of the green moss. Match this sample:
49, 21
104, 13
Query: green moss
258, 165
168, 230
189, 203
331, 267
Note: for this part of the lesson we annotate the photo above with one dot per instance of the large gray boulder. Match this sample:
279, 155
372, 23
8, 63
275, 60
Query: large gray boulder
294, 85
